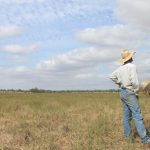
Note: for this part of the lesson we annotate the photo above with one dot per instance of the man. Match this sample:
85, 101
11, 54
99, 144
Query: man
126, 77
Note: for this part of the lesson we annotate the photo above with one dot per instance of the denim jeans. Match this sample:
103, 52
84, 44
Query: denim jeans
131, 110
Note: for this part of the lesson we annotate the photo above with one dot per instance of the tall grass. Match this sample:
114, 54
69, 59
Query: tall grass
65, 121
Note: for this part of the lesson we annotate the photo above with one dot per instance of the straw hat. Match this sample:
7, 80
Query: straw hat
126, 55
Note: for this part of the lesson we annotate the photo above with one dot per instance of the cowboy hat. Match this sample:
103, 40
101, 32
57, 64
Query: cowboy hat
126, 55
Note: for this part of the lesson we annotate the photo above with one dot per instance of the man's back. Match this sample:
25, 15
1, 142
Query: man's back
126, 77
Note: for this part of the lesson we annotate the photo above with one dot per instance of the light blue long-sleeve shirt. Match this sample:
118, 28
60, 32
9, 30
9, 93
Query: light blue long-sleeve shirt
126, 76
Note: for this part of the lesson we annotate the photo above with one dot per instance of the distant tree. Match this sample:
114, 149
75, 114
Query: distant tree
37, 90
34, 90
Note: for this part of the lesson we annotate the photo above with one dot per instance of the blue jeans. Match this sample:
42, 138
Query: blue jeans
131, 110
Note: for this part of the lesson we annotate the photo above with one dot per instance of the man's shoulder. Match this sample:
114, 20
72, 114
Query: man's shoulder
131, 65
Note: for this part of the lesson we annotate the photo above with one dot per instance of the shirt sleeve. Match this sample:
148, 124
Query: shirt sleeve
134, 78
114, 77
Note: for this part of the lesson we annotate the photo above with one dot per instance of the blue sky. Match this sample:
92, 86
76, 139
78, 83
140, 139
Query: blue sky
70, 44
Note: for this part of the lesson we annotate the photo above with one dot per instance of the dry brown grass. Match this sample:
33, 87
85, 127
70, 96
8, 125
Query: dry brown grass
65, 121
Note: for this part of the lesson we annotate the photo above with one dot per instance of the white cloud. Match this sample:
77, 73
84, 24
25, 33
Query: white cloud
118, 36
79, 69
84, 76
26, 78
135, 12
78, 59
19, 49
6, 31
19, 59
22, 69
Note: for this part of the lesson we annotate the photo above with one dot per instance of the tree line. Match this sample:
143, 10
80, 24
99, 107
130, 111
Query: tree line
38, 90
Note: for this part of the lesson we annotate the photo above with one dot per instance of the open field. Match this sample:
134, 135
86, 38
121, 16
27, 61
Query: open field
65, 121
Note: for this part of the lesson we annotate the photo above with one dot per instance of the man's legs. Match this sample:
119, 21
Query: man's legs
127, 116
137, 116
132, 102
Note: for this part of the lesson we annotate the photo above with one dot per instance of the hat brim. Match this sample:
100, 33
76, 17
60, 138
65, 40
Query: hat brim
122, 61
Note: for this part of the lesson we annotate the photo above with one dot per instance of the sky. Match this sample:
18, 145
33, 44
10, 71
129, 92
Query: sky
71, 44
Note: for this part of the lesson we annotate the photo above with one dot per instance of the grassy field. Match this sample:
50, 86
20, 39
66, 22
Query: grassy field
65, 121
